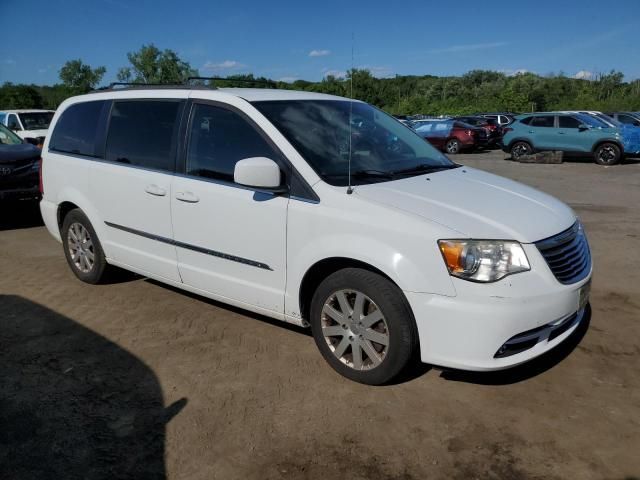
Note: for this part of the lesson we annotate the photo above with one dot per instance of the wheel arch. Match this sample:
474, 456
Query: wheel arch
602, 142
520, 139
320, 270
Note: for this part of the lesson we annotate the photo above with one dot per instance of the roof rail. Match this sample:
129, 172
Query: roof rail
270, 83
139, 85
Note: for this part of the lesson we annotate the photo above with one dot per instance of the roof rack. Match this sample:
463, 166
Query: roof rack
270, 83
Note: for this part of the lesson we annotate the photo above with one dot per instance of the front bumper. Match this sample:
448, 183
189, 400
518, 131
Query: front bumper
20, 193
467, 331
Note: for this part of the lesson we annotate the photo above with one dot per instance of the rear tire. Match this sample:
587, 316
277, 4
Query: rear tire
375, 338
82, 248
520, 149
453, 146
607, 154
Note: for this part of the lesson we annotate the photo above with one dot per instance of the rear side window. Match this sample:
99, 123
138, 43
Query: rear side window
218, 138
78, 128
568, 122
143, 133
526, 121
542, 121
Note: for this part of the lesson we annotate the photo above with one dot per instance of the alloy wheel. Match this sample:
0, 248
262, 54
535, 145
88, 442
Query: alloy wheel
355, 329
80, 247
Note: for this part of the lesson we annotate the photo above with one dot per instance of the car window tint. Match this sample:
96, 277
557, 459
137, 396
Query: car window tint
218, 138
143, 133
12, 123
77, 129
526, 121
542, 121
628, 119
569, 122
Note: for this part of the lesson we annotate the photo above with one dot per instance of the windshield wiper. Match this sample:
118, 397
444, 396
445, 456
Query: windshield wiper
373, 173
424, 168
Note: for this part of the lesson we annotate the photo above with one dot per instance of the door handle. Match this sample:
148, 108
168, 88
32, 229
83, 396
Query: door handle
188, 197
531, 131
560, 133
155, 190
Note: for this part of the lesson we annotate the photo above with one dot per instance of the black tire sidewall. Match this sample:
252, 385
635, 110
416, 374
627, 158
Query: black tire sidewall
395, 308
95, 275
520, 142
615, 161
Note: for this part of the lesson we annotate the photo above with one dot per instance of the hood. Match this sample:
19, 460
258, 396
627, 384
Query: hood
32, 133
476, 204
21, 151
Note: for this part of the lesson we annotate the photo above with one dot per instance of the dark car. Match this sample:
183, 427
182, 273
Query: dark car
491, 125
19, 167
452, 136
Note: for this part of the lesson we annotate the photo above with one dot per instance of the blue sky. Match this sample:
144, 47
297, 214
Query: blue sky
307, 40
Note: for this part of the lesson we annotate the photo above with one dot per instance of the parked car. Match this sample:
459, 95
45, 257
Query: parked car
19, 167
503, 119
27, 123
452, 136
630, 133
628, 118
319, 211
491, 125
570, 133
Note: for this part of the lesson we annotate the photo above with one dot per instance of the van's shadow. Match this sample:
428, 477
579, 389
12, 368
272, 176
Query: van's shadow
74, 404
527, 370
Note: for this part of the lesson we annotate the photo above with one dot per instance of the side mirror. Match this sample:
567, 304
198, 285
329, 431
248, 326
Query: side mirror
583, 126
259, 172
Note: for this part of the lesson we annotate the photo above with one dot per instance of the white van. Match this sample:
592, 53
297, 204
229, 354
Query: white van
319, 211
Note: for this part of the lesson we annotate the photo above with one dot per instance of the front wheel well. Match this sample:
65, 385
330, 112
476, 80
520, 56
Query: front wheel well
321, 270
602, 142
63, 209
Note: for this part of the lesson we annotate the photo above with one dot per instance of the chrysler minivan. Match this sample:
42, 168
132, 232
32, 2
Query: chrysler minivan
318, 211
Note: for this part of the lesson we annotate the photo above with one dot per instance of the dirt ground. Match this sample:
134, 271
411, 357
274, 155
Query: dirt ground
138, 380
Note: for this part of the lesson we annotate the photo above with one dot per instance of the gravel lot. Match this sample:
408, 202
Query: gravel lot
138, 380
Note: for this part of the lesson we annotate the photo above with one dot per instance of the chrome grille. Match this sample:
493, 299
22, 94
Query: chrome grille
567, 254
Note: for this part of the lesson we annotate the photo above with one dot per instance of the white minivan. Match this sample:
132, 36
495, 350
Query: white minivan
318, 211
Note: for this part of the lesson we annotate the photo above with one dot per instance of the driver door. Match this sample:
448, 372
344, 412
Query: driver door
230, 239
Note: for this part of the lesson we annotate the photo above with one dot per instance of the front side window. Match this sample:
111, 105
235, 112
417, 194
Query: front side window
36, 120
218, 139
77, 129
329, 133
568, 122
13, 123
143, 133
542, 121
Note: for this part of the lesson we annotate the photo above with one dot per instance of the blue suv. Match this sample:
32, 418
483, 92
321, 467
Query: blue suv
567, 132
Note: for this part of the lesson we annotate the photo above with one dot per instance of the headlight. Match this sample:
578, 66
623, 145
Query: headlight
483, 260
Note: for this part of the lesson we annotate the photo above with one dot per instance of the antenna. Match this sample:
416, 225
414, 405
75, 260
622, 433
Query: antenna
350, 188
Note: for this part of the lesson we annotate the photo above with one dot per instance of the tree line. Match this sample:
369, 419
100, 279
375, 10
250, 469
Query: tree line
475, 91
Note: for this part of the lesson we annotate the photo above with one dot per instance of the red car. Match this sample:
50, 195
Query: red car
452, 136
493, 128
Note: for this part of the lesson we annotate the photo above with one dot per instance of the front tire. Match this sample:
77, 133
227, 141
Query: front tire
82, 248
363, 326
607, 154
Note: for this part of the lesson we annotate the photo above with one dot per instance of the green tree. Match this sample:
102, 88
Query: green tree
19, 96
80, 77
151, 65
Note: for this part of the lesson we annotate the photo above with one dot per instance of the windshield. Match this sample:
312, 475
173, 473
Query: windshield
591, 120
36, 120
7, 137
609, 120
382, 148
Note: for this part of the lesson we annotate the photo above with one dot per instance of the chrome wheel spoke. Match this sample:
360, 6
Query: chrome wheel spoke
374, 336
333, 314
357, 356
372, 319
371, 353
344, 303
342, 347
358, 306
333, 331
